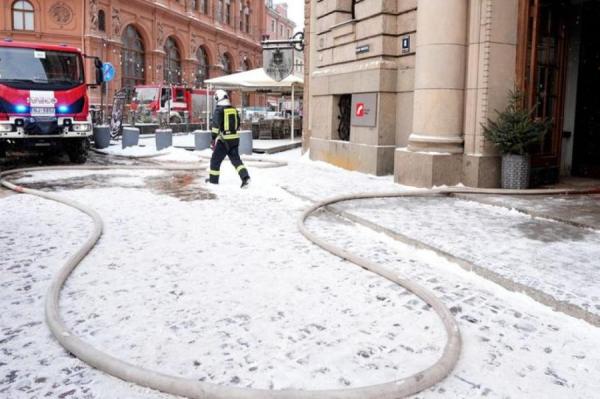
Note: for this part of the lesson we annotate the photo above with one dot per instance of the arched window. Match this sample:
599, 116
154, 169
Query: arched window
172, 65
132, 58
101, 21
227, 67
245, 65
23, 13
202, 73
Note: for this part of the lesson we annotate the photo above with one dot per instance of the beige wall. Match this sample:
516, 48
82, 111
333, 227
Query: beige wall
432, 99
336, 69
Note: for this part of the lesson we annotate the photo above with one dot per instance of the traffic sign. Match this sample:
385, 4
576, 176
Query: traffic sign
108, 71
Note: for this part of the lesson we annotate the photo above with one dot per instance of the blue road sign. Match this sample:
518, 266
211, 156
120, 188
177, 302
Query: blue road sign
108, 71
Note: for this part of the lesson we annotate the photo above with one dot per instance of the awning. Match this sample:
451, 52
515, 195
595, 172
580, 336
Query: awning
256, 80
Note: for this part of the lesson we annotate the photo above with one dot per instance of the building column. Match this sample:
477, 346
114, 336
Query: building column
435, 147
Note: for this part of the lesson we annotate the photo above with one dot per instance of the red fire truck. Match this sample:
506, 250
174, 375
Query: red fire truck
176, 101
44, 104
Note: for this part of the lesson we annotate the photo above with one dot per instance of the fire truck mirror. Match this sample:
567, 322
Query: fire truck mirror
93, 69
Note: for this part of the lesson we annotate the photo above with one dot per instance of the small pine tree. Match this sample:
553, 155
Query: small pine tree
515, 129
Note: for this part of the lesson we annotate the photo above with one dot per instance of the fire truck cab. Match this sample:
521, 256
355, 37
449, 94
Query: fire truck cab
44, 104
176, 101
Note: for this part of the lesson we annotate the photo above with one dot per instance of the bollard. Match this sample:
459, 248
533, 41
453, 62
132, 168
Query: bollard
101, 136
164, 138
202, 139
245, 142
130, 137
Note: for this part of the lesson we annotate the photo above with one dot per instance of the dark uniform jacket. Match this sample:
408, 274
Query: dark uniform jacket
225, 121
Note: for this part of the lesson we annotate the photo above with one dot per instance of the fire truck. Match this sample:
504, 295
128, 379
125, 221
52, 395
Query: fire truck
174, 101
44, 104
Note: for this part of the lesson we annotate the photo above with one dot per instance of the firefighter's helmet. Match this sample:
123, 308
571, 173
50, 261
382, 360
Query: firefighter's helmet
221, 97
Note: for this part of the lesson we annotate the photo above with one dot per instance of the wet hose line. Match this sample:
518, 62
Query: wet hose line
202, 390
263, 162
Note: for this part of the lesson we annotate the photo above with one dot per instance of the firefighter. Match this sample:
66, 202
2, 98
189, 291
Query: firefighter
225, 139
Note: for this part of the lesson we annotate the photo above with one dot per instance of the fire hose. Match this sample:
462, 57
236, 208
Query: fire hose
202, 390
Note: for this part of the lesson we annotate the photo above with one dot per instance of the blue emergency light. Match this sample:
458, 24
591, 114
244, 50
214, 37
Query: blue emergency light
20, 108
63, 109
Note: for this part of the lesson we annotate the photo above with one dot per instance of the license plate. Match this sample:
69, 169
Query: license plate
42, 111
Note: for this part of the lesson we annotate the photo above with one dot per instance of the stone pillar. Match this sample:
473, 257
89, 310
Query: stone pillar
434, 153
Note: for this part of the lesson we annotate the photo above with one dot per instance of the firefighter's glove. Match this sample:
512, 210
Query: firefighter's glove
213, 144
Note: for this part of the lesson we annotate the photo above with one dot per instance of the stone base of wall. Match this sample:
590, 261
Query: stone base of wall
422, 169
372, 159
481, 171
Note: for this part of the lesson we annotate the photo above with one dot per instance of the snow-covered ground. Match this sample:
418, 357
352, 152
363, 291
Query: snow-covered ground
217, 284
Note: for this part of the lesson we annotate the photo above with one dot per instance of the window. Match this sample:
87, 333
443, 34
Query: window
247, 18
172, 64
220, 10
273, 25
203, 6
202, 73
29, 69
101, 21
228, 12
227, 67
179, 95
132, 58
23, 12
245, 65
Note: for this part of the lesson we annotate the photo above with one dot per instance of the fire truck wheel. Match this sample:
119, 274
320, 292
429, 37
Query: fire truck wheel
175, 119
78, 151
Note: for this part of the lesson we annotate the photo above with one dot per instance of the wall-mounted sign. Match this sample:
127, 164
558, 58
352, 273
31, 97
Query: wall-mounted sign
278, 63
405, 44
364, 110
362, 49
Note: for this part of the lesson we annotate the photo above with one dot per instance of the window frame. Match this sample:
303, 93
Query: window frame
22, 13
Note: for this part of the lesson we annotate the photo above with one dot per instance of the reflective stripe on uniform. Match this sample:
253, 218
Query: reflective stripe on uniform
231, 136
214, 172
228, 113
215, 130
241, 167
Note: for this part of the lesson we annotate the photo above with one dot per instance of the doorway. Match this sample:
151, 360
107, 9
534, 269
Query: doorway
558, 69
586, 137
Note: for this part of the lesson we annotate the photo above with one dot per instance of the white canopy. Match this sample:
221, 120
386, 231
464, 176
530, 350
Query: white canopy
255, 80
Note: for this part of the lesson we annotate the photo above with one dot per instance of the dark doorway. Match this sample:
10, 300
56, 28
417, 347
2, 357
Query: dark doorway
558, 68
586, 149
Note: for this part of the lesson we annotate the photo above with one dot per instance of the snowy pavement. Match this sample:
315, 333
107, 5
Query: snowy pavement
217, 284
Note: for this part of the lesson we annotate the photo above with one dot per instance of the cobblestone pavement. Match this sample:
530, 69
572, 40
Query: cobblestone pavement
538, 352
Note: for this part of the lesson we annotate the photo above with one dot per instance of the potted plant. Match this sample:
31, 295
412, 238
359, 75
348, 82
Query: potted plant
513, 132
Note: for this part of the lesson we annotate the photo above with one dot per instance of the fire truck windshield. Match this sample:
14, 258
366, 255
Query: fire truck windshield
24, 68
145, 95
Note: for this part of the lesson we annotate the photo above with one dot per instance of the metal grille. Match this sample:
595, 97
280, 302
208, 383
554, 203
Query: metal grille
345, 107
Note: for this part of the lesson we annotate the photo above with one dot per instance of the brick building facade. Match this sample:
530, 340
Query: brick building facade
148, 41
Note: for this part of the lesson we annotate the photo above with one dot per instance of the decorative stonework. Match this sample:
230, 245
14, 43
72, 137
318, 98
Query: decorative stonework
193, 46
61, 13
94, 14
160, 35
116, 23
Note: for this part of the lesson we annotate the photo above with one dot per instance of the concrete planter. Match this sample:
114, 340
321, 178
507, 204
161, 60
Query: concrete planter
245, 142
101, 136
130, 137
202, 139
164, 138
515, 171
